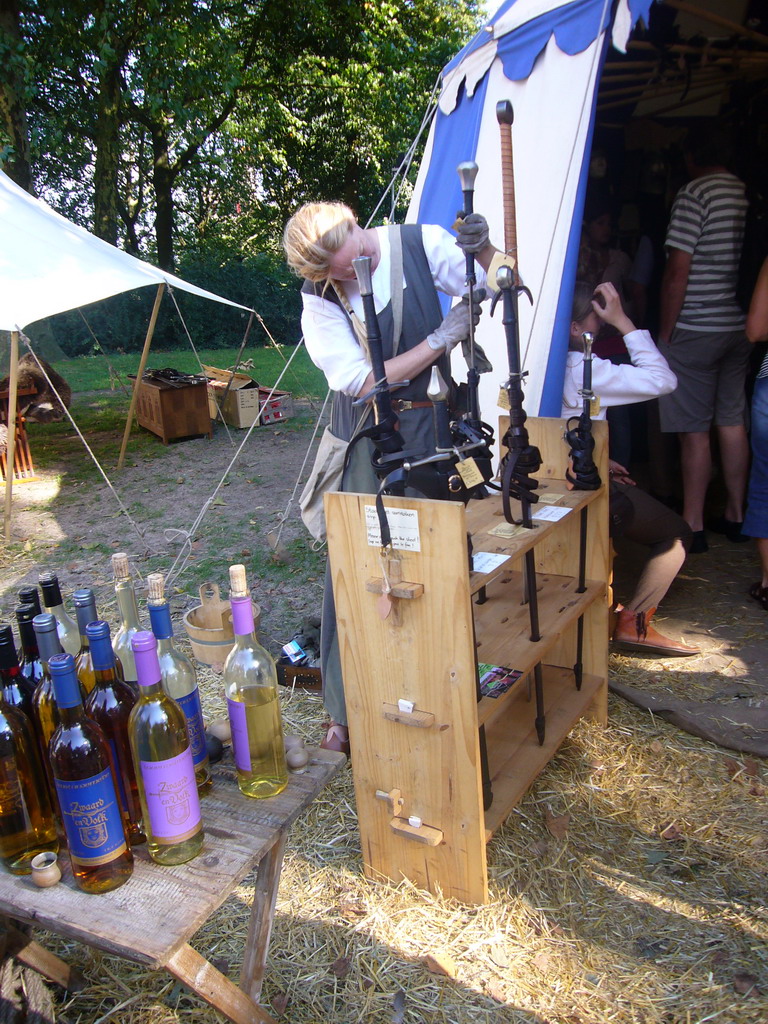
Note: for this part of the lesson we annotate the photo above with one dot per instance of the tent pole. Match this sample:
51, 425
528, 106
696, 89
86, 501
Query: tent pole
140, 372
10, 455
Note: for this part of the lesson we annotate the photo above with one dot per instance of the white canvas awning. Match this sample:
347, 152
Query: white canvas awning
49, 265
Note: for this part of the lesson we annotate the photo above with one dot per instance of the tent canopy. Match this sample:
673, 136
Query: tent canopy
545, 56
49, 265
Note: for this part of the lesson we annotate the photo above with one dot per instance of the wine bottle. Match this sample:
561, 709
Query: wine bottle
109, 704
250, 684
129, 616
178, 677
30, 664
85, 785
26, 821
67, 627
16, 688
31, 595
164, 768
44, 707
84, 601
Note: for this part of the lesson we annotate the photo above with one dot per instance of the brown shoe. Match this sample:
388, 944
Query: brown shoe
337, 738
633, 632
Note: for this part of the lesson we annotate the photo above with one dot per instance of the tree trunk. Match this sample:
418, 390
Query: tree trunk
13, 112
163, 178
107, 138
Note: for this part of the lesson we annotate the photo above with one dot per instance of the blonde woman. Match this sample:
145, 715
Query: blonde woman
410, 266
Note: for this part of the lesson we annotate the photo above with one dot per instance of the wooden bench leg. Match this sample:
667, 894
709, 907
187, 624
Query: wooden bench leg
260, 927
194, 971
38, 958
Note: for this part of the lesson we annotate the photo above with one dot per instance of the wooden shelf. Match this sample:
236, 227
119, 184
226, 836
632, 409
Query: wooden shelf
514, 755
415, 664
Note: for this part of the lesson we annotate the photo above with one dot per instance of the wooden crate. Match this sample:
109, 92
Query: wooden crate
410, 677
173, 412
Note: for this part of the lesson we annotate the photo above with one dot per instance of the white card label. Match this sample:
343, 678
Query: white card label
550, 513
403, 526
487, 561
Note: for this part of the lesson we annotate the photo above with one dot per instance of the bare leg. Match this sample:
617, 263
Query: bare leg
734, 454
696, 464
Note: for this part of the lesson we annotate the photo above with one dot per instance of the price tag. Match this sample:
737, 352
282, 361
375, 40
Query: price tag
503, 399
469, 473
594, 406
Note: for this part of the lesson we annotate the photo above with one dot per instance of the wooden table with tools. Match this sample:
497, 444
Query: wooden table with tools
151, 918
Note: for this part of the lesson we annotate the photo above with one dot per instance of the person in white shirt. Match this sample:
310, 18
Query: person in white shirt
634, 514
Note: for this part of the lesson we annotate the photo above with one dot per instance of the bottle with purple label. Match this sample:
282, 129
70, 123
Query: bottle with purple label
110, 703
86, 789
250, 683
178, 677
162, 756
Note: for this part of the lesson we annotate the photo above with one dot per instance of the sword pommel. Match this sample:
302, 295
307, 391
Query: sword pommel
505, 277
504, 112
467, 173
438, 389
362, 269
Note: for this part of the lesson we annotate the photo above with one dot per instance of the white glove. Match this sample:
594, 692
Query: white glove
455, 327
472, 234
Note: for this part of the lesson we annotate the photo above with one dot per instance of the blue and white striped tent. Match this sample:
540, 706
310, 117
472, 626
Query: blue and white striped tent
545, 56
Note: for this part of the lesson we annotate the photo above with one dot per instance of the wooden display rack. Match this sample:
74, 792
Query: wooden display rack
410, 672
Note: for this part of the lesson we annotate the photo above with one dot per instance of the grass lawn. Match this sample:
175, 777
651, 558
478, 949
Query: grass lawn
100, 373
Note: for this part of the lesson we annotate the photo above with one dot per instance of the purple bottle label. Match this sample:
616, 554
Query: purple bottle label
173, 805
92, 819
193, 712
239, 725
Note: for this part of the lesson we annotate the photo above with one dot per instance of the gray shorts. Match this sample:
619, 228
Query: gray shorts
711, 371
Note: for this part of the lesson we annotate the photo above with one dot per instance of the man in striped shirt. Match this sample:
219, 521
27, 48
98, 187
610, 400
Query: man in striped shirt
701, 332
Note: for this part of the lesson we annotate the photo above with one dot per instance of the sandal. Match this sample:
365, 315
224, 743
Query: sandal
337, 738
760, 594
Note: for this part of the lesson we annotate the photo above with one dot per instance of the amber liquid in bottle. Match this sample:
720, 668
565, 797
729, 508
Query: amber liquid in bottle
26, 820
109, 704
85, 785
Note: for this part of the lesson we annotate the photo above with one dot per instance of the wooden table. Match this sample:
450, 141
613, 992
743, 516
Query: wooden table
151, 918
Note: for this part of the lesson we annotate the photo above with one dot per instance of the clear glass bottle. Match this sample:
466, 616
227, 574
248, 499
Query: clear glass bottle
178, 676
26, 820
164, 768
87, 792
129, 616
31, 666
250, 684
84, 601
109, 704
66, 625
44, 705
17, 690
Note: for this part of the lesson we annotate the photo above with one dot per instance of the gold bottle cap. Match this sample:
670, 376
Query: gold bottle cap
156, 587
238, 586
120, 566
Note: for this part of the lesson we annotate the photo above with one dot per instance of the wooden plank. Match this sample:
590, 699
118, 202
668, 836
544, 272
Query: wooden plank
215, 988
39, 959
262, 916
160, 908
514, 753
427, 659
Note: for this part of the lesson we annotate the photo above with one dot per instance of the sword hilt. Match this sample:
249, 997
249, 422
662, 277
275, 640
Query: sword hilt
505, 117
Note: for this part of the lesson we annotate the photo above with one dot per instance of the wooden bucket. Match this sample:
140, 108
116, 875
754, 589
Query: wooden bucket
209, 626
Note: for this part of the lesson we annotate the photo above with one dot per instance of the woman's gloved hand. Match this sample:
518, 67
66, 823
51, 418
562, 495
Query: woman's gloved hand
455, 327
472, 234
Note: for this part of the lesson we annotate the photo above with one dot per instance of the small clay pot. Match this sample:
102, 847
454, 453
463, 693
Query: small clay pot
297, 759
45, 869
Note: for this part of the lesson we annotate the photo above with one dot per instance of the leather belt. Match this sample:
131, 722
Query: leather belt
404, 404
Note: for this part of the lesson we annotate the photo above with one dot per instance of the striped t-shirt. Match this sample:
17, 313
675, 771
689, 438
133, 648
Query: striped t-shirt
708, 221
